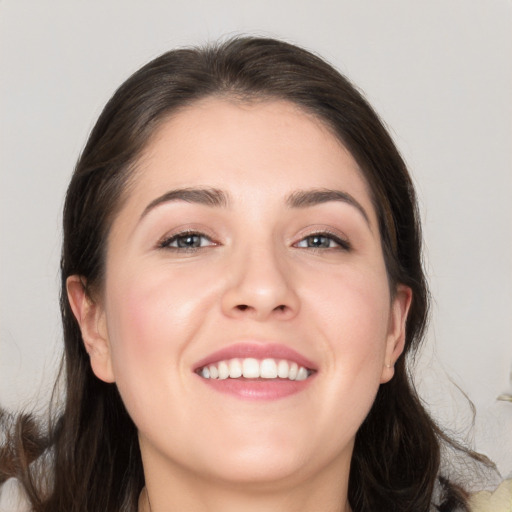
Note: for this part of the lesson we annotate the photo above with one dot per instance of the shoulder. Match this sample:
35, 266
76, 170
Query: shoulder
13, 497
498, 501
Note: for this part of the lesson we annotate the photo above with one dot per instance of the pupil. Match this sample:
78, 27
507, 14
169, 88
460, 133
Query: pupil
318, 241
189, 241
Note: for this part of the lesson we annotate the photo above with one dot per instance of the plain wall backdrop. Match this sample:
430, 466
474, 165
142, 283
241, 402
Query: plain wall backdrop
438, 72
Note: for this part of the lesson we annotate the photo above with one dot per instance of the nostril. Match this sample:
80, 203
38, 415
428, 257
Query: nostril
281, 311
245, 307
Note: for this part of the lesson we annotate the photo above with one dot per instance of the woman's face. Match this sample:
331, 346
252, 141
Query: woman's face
247, 243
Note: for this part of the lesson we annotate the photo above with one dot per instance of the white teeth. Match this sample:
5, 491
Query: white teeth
292, 372
235, 368
283, 369
302, 374
251, 368
223, 370
214, 372
268, 369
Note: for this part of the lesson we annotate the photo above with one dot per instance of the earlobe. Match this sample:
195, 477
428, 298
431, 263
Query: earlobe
396, 330
91, 319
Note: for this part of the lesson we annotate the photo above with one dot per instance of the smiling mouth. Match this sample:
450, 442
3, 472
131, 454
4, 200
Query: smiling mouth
252, 368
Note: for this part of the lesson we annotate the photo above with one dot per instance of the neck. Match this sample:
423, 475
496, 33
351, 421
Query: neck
177, 492
246, 503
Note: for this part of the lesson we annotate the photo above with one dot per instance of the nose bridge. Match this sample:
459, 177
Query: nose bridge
261, 281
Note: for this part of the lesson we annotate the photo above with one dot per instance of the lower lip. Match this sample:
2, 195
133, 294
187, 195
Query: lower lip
258, 389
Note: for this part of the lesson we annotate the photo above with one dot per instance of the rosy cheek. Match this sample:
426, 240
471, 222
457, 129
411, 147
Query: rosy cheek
132, 321
355, 313
156, 313
138, 341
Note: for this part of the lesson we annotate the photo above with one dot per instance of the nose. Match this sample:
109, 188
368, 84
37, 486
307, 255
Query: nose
260, 286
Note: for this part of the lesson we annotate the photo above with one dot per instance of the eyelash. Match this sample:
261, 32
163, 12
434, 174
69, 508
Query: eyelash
166, 242
341, 244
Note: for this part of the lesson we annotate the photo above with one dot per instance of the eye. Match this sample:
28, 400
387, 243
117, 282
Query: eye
323, 241
186, 241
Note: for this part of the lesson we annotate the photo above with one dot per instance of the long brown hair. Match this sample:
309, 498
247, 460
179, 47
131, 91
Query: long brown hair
90, 449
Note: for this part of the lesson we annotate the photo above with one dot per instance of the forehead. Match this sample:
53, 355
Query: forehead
261, 147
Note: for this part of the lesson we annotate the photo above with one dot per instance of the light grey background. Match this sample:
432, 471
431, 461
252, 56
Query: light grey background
439, 73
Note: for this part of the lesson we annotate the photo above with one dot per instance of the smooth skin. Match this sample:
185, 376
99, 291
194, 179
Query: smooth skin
185, 278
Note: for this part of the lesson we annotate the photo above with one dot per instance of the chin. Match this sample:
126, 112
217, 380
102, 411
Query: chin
259, 471
269, 463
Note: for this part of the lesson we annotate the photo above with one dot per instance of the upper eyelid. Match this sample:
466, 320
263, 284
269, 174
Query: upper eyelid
168, 238
343, 242
337, 236
188, 229
322, 231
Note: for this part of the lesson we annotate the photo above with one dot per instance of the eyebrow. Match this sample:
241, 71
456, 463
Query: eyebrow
206, 196
307, 198
217, 198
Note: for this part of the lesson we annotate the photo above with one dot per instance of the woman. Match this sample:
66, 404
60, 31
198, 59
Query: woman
241, 290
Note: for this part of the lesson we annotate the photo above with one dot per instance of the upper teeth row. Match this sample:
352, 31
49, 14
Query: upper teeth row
251, 368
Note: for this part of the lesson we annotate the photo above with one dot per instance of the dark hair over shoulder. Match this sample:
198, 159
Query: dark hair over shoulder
93, 457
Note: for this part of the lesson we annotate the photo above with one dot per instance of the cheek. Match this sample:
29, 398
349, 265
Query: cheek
355, 307
352, 314
152, 315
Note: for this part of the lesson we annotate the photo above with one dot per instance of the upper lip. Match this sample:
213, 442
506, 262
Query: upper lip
258, 351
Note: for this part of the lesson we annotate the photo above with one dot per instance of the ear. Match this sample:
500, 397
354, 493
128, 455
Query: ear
90, 316
395, 341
